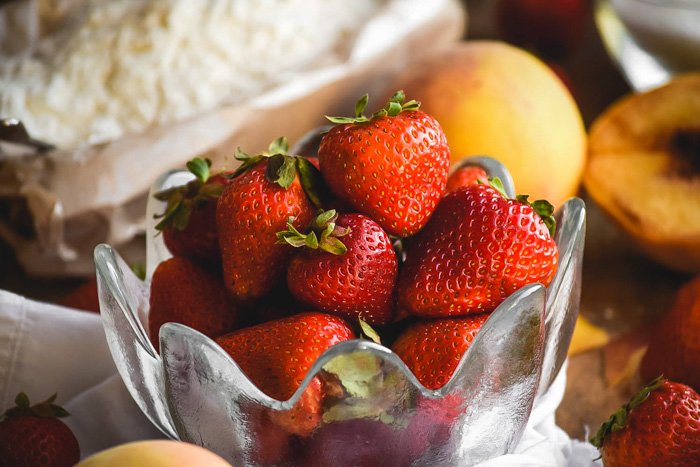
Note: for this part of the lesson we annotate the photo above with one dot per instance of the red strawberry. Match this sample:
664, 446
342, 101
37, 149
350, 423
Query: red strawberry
33, 436
478, 248
674, 347
277, 355
431, 423
392, 166
347, 267
254, 206
554, 28
84, 297
659, 426
189, 221
464, 176
359, 442
432, 349
271, 443
184, 292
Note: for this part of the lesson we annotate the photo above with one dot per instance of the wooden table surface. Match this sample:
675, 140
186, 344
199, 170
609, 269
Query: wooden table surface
622, 290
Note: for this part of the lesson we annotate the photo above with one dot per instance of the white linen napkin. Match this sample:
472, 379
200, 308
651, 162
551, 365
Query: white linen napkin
47, 348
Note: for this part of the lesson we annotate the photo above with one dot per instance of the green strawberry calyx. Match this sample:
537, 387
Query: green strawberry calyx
618, 420
393, 107
283, 167
542, 207
324, 234
46, 409
182, 200
368, 332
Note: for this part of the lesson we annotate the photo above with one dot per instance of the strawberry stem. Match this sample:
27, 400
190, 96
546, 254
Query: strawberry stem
324, 234
545, 209
181, 200
200, 168
368, 332
283, 167
541, 206
618, 420
279, 146
393, 107
45, 409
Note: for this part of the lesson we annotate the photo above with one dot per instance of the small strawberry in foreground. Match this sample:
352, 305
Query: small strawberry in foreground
391, 166
84, 297
277, 355
184, 292
660, 426
478, 248
674, 346
346, 266
263, 194
432, 349
189, 221
464, 176
33, 436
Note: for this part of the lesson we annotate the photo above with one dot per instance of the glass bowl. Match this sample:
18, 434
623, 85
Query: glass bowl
376, 413
651, 41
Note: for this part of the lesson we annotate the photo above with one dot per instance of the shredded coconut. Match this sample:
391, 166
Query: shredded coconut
122, 66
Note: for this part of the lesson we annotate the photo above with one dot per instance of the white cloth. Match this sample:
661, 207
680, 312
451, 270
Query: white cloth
47, 348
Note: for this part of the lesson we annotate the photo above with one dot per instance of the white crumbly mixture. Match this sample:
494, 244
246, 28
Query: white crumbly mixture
121, 66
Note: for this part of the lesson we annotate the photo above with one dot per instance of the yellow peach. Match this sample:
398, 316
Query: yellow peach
644, 170
497, 100
155, 453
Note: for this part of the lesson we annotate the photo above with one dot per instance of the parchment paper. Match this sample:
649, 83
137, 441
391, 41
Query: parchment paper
97, 194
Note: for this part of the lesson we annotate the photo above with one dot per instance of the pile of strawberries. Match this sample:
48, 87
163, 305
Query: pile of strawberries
285, 256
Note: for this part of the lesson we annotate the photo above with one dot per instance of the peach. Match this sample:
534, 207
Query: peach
155, 453
644, 170
497, 100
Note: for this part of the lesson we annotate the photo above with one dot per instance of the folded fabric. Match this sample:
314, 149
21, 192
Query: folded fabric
48, 348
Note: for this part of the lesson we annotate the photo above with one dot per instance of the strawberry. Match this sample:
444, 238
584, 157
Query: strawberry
276, 356
478, 248
674, 347
346, 266
271, 444
263, 194
354, 443
466, 175
33, 436
182, 291
432, 349
84, 297
189, 221
391, 166
659, 426
431, 422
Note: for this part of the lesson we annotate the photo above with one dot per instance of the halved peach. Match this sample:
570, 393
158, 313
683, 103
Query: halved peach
644, 170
